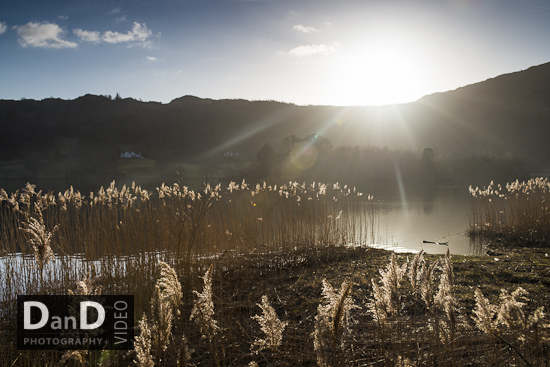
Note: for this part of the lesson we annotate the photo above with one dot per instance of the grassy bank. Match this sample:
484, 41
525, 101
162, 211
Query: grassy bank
199, 264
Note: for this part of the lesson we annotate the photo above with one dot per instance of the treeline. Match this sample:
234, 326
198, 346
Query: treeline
356, 164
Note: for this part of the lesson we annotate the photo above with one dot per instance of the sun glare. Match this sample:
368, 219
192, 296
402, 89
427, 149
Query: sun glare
383, 72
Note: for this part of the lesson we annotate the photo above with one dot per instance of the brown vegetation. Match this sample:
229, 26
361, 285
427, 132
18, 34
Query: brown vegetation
198, 263
518, 214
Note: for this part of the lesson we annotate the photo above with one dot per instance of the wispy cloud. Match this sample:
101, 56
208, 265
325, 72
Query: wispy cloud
47, 35
115, 11
88, 36
121, 19
309, 50
3, 27
305, 29
139, 33
151, 58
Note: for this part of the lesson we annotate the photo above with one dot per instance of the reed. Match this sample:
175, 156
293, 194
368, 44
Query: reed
198, 261
386, 298
271, 326
509, 323
331, 335
518, 213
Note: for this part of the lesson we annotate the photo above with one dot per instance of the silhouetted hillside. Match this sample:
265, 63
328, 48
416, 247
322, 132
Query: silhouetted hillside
510, 113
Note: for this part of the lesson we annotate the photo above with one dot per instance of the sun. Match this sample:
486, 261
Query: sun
382, 72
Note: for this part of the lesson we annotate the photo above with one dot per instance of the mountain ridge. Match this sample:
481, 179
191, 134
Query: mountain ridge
508, 113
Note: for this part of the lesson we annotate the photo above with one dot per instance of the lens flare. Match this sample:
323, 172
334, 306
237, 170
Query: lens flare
289, 171
303, 155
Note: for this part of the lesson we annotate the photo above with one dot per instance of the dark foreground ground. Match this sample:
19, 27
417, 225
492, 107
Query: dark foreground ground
295, 293
293, 284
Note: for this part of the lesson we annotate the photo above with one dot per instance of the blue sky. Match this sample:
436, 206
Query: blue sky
344, 52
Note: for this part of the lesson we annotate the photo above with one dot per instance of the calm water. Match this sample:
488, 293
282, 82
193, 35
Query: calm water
411, 215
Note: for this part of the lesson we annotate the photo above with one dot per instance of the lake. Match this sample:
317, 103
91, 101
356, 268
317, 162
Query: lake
410, 215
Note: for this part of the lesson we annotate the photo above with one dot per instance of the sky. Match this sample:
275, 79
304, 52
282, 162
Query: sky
323, 52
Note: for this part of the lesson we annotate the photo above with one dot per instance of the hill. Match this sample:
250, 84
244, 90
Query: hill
506, 114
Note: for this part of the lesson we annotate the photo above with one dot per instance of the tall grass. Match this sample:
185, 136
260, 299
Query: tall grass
126, 227
518, 212
193, 261
50, 241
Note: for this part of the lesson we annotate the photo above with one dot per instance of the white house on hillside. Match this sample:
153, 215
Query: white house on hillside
131, 155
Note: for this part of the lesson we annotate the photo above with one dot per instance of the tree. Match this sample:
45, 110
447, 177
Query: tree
265, 157
429, 169
428, 155
289, 142
322, 144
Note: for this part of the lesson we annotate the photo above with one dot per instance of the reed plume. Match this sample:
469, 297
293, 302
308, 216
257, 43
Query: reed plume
332, 324
40, 239
75, 355
272, 327
510, 313
386, 298
509, 316
427, 283
203, 308
161, 321
170, 286
86, 287
142, 345
445, 302
184, 352
540, 327
484, 314
203, 314
414, 269
165, 302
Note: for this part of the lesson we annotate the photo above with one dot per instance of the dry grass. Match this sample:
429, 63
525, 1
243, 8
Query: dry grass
198, 263
517, 214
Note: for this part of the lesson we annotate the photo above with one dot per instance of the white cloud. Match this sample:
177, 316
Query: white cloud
115, 11
309, 50
63, 17
305, 29
121, 19
152, 58
3, 27
139, 33
46, 35
88, 36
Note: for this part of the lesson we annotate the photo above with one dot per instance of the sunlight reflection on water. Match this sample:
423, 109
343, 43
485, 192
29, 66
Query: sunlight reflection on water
437, 214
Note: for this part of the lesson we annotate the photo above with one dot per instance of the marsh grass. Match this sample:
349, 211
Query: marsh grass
518, 213
198, 262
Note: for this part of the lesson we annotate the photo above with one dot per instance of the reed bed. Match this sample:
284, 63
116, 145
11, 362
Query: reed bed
251, 276
518, 213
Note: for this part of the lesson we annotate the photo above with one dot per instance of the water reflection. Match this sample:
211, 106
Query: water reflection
410, 215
